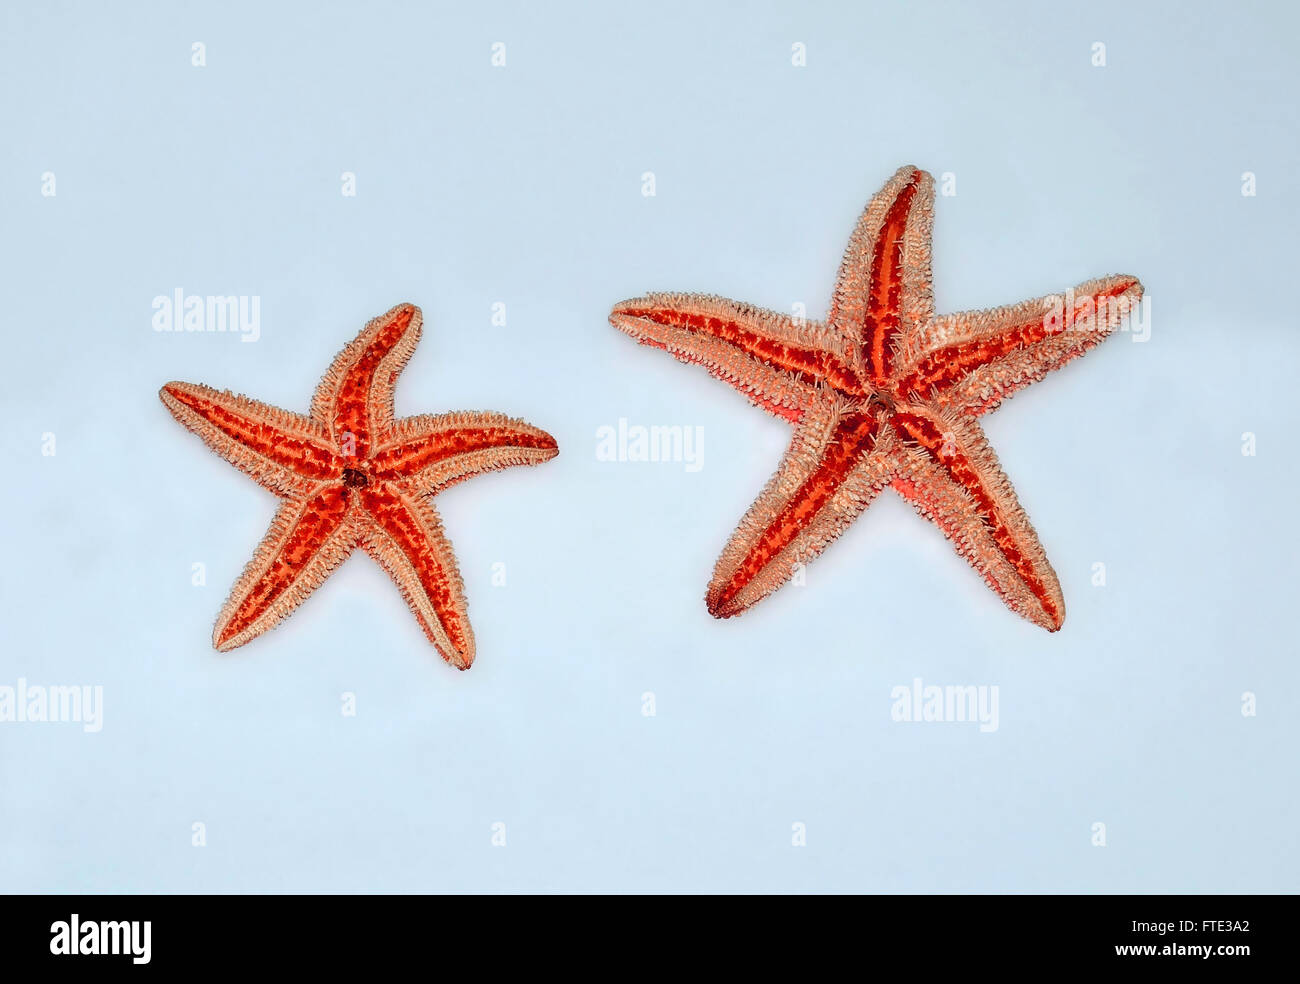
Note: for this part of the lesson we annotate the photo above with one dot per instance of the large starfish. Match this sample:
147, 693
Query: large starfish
353, 476
885, 392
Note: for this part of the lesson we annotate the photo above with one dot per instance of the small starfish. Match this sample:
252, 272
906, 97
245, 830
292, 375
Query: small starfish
352, 476
884, 393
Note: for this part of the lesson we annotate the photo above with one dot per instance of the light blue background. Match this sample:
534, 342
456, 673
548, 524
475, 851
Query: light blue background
523, 185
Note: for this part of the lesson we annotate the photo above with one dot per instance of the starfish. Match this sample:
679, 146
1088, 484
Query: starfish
350, 475
884, 392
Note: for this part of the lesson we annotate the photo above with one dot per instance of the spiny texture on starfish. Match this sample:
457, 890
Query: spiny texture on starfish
350, 475
885, 392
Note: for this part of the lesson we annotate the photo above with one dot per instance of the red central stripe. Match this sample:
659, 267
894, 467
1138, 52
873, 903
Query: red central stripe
810, 365
319, 520
352, 403
299, 455
944, 367
405, 530
853, 437
881, 321
923, 431
405, 460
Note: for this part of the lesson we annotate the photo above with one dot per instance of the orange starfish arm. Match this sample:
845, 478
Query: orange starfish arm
355, 398
951, 475
837, 462
882, 294
308, 539
974, 360
282, 451
772, 359
407, 540
432, 452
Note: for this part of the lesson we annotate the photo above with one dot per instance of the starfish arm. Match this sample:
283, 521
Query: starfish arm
405, 537
307, 540
974, 360
432, 452
838, 461
355, 398
775, 361
883, 295
951, 476
282, 451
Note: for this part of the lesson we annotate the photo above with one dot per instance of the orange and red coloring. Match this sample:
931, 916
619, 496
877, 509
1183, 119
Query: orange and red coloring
350, 475
884, 392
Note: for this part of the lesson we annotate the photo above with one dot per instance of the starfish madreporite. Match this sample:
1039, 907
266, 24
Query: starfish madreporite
884, 392
350, 475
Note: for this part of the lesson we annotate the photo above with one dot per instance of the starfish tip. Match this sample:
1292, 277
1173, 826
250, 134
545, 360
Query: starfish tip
406, 317
914, 172
619, 316
223, 643
1050, 619
461, 661
719, 607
